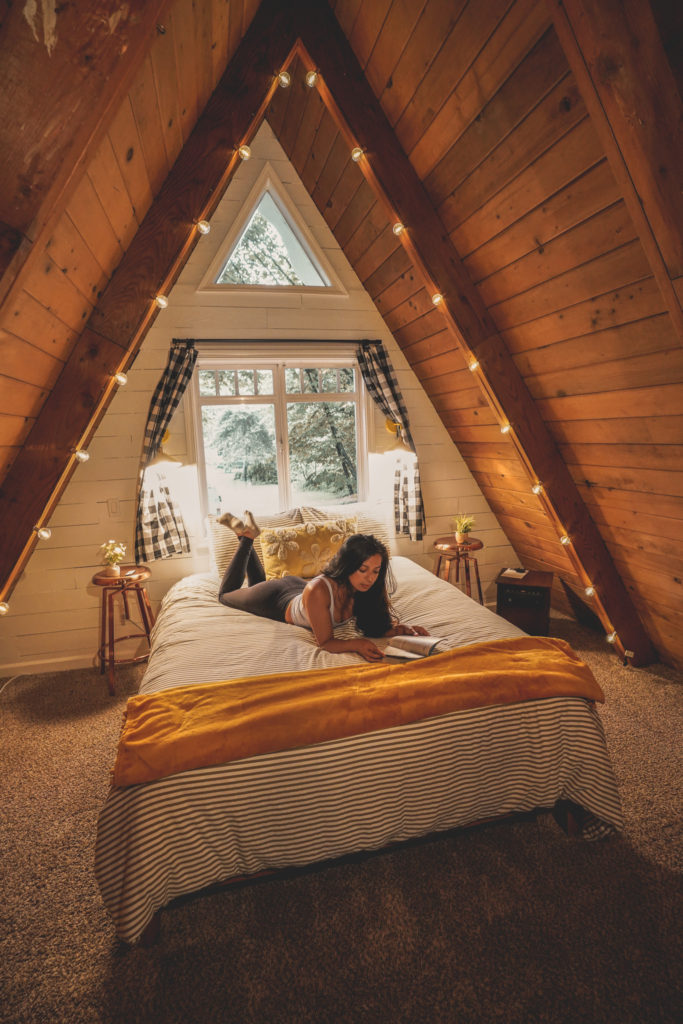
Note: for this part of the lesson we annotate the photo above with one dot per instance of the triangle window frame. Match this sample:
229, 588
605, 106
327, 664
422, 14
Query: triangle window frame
269, 182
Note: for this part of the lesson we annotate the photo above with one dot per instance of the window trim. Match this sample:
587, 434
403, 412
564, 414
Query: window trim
265, 355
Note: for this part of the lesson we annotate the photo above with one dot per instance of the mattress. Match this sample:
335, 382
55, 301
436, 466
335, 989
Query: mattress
163, 839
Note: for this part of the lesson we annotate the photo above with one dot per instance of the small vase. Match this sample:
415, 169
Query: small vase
111, 570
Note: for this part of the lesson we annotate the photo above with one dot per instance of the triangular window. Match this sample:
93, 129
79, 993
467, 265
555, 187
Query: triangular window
270, 253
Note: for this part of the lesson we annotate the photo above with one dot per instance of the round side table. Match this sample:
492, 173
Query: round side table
131, 581
448, 551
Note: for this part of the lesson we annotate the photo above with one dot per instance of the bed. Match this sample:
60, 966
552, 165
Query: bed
173, 836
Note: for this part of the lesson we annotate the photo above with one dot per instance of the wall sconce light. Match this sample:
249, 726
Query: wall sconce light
357, 153
43, 532
474, 365
590, 590
162, 458
311, 79
537, 489
611, 638
121, 378
564, 539
81, 455
437, 298
284, 79
4, 607
506, 428
398, 228
244, 151
203, 227
161, 301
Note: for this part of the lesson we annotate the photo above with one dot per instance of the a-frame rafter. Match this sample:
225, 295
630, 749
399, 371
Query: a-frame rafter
166, 237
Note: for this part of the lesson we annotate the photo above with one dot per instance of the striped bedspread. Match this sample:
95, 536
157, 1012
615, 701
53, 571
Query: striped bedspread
162, 839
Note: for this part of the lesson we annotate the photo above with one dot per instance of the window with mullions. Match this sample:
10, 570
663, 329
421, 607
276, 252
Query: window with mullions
280, 435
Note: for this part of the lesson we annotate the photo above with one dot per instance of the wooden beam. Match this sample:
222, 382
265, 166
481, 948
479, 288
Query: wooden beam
151, 264
615, 52
360, 118
52, 119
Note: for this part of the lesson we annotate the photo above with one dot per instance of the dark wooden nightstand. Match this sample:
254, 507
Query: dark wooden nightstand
525, 601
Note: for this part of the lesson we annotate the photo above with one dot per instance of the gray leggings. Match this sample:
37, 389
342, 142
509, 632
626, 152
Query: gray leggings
267, 598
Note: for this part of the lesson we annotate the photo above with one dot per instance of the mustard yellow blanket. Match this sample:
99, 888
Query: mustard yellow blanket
207, 724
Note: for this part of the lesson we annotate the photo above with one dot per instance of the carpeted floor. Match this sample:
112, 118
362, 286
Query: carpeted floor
508, 922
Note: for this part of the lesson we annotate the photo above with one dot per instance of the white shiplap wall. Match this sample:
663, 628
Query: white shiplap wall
54, 618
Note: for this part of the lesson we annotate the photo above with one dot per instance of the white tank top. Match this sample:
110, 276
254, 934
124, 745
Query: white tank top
299, 615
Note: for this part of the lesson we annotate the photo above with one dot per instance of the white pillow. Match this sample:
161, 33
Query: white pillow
223, 542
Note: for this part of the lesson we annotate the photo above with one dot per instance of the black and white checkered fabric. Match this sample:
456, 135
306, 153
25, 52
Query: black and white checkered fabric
159, 529
380, 380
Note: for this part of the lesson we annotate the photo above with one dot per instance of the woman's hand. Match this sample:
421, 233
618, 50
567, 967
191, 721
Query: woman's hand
367, 649
402, 630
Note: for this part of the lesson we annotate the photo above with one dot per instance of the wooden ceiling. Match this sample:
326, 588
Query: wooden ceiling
530, 148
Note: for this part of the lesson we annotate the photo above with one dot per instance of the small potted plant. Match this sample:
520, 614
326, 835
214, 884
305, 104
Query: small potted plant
113, 552
463, 524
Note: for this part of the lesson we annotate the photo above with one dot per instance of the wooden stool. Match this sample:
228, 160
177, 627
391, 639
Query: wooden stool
449, 551
132, 579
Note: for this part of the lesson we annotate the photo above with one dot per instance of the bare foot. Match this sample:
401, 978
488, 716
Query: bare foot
251, 526
228, 519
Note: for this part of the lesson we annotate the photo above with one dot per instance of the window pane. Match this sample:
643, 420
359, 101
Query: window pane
292, 381
245, 380
347, 381
322, 452
226, 382
329, 380
311, 383
207, 382
264, 380
240, 457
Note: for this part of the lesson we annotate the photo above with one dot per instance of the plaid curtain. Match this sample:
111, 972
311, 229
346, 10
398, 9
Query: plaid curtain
159, 528
381, 382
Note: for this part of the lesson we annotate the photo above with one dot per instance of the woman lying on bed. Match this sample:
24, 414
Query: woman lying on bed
352, 585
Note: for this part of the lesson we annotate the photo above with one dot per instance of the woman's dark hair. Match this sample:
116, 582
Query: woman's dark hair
372, 608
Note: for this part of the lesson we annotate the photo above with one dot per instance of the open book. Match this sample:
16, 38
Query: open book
411, 646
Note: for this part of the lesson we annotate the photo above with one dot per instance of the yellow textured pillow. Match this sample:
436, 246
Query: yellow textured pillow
303, 550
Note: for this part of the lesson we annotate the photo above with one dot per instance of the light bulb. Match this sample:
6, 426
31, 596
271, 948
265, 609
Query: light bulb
284, 79
589, 591
611, 638
121, 378
81, 455
4, 607
437, 297
506, 428
474, 365
203, 227
537, 489
398, 228
311, 78
564, 539
161, 301
43, 532
244, 151
356, 153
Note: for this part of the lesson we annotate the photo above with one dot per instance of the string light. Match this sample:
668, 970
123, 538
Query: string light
203, 227
437, 297
43, 532
311, 79
590, 590
81, 455
244, 151
537, 489
398, 228
474, 365
564, 539
121, 378
356, 153
611, 638
4, 607
284, 79
161, 301
506, 428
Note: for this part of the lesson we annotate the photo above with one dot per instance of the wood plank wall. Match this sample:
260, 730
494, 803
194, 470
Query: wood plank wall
495, 126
